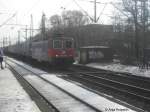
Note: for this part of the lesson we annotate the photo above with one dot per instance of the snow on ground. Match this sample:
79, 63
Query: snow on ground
13, 98
121, 68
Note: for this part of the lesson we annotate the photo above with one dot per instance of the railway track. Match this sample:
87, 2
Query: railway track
123, 74
123, 78
72, 103
125, 84
142, 93
122, 83
61, 100
94, 77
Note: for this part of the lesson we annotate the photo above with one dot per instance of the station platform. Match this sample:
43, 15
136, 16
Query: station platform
13, 97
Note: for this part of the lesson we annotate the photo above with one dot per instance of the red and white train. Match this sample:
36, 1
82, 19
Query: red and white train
54, 50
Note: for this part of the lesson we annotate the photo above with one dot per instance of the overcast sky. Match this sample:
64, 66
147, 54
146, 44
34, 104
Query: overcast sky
24, 8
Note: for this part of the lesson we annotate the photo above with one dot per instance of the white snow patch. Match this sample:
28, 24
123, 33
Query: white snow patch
121, 68
13, 98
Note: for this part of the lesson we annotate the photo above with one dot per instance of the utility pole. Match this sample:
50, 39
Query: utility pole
18, 37
94, 18
3, 42
31, 27
43, 26
26, 31
9, 40
136, 32
31, 34
95, 11
144, 22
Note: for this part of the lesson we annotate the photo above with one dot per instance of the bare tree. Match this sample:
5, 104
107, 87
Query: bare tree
74, 18
137, 12
42, 26
56, 20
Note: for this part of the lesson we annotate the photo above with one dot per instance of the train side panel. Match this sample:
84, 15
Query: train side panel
47, 50
40, 50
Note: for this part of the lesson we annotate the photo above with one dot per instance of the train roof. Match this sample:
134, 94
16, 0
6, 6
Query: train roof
89, 47
62, 38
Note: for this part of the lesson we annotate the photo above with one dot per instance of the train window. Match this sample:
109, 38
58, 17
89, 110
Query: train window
68, 44
57, 44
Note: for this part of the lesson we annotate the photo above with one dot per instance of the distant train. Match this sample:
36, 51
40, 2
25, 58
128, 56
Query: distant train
54, 50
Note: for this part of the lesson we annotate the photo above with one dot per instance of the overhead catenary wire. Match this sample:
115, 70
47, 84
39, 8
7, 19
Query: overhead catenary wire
83, 10
5, 22
33, 6
119, 9
102, 11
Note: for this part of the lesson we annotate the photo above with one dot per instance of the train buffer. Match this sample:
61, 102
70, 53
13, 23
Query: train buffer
13, 97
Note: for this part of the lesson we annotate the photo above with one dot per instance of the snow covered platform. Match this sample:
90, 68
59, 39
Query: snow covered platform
13, 98
99, 102
93, 99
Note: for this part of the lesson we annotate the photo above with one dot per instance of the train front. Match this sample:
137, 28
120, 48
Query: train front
61, 50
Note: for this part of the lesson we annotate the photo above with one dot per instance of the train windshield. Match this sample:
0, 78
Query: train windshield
57, 44
68, 44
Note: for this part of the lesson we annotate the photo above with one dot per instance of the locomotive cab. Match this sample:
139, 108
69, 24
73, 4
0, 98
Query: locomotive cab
61, 50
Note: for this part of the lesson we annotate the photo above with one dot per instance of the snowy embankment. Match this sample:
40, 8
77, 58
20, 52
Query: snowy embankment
122, 68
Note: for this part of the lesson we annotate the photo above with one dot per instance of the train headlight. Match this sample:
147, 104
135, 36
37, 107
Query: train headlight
56, 55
